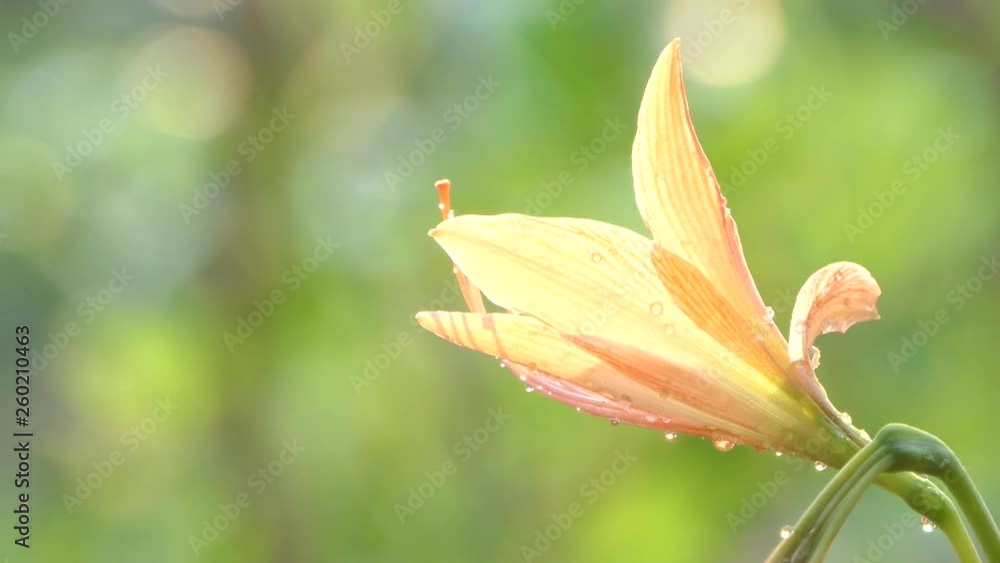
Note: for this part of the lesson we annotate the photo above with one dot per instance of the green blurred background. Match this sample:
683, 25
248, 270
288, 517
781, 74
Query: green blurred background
169, 165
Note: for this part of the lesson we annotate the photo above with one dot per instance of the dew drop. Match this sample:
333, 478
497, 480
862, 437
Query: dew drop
722, 444
669, 329
595, 257
800, 327
778, 454
656, 308
819, 465
922, 477
523, 378
768, 314
578, 409
615, 421
786, 532
670, 436
927, 525
846, 418
441, 206
650, 418
529, 389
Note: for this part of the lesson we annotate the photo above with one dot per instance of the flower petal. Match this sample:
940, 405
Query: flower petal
594, 284
677, 192
581, 278
699, 299
574, 376
832, 299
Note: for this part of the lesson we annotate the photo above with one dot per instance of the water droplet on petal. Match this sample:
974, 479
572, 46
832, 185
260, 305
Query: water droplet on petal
523, 378
846, 418
819, 465
615, 421
650, 418
722, 444
768, 314
786, 532
927, 525
656, 308
669, 329
595, 257
800, 327
670, 436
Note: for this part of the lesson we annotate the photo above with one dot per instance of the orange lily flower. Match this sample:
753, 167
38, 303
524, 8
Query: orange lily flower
668, 333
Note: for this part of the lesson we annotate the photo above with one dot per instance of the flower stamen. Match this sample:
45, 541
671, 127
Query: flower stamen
473, 297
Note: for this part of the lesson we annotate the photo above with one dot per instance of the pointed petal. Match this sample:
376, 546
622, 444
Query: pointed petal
576, 377
575, 275
677, 192
832, 299
698, 298
579, 277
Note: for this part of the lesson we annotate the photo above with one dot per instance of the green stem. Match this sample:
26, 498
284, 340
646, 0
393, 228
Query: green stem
809, 526
898, 450
926, 499
834, 520
916, 450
